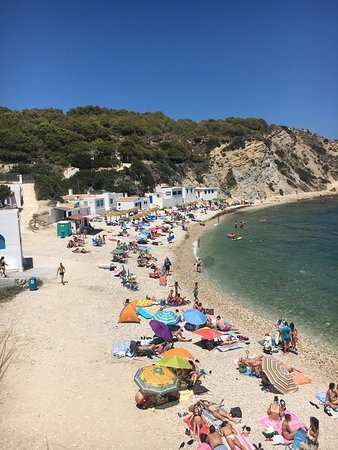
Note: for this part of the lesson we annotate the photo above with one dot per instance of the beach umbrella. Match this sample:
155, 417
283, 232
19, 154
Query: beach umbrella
156, 380
179, 351
278, 375
208, 333
194, 316
166, 316
175, 362
161, 330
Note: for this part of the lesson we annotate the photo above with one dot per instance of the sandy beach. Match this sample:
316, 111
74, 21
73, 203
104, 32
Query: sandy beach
64, 390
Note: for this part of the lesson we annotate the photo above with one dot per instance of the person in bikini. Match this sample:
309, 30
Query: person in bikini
214, 439
275, 412
196, 421
217, 412
230, 434
331, 399
287, 433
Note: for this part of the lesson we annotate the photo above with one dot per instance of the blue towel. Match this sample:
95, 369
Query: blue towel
143, 313
221, 349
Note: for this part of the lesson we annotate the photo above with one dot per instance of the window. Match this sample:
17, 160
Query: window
111, 200
99, 202
2, 242
212, 191
119, 204
85, 202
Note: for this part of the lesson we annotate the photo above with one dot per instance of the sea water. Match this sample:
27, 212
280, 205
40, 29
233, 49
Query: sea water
286, 263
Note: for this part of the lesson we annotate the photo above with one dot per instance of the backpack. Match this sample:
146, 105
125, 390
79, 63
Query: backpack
236, 412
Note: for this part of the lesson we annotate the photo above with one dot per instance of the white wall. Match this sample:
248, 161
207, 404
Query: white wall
138, 203
206, 193
10, 230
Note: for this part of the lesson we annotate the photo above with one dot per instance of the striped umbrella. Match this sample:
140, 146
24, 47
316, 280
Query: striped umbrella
278, 375
156, 380
166, 316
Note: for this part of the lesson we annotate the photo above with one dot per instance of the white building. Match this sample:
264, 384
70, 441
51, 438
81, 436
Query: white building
15, 200
10, 238
206, 193
98, 202
126, 203
65, 210
169, 196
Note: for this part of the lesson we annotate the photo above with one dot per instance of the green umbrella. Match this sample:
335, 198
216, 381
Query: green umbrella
174, 362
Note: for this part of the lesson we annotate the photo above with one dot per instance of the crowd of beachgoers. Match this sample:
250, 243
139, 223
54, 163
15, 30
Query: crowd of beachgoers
181, 325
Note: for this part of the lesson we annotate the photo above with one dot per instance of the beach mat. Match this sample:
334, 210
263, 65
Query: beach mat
223, 350
299, 378
204, 429
295, 423
144, 313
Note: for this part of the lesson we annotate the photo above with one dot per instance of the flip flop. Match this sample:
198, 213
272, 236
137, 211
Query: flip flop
313, 404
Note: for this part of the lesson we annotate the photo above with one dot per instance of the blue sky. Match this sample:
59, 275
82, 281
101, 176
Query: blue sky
188, 58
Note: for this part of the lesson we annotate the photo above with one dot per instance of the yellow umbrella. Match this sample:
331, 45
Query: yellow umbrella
156, 380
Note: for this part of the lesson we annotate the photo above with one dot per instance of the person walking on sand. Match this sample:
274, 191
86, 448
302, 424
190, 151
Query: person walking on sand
198, 265
61, 271
3, 265
196, 292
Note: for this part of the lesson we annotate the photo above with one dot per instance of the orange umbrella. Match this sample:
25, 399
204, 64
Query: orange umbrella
179, 351
208, 333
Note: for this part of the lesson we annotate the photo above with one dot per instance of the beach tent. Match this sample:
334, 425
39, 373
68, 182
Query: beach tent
129, 315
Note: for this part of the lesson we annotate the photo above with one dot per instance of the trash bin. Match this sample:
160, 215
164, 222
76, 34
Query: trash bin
62, 234
33, 286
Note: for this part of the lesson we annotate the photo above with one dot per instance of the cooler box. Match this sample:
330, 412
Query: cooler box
33, 286
64, 229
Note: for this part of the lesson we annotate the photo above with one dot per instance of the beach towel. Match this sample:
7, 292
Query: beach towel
295, 423
248, 372
222, 349
204, 428
299, 378
321, 396
185, 395
118, 271
121, 349
243, 440
163, 281
143, 313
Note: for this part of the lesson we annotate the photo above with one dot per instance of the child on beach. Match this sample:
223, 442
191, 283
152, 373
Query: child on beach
196, 292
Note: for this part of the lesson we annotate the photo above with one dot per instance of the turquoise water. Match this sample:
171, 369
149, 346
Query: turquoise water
286, 266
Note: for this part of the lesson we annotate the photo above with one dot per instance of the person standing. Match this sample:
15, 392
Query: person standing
3, 265
286, 332
198, 265
167, 265
61, 271
196, 292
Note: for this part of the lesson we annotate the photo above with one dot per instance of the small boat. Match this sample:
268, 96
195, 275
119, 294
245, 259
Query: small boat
231, 235
238, 238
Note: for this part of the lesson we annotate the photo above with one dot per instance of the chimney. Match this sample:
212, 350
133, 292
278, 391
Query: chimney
70, 191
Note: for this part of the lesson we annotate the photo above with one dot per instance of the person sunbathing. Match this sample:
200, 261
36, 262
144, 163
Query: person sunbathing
216, 411
331, 399
178, 335
214, 439
178, 300
275, 412
287, 433
194, 372
221, 325
225, 340
230, 434
195, 421
254, 364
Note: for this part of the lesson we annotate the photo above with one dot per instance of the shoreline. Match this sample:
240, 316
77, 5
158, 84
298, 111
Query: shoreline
250, 322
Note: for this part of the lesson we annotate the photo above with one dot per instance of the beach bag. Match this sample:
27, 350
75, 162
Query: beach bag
236, 412
210, 311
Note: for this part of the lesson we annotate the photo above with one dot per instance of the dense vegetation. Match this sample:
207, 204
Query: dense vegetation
98, 141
